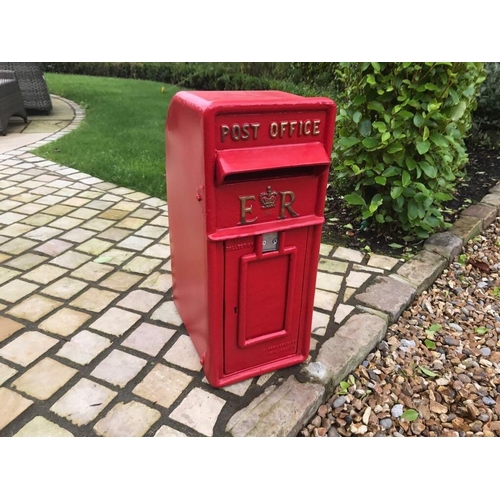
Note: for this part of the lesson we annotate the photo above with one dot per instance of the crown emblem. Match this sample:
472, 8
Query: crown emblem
268, 199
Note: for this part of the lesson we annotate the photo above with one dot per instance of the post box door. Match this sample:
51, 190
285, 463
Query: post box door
263, 293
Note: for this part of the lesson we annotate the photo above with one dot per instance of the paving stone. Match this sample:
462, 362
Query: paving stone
17, 246
167, 313
115, 234
6, 372
332, 266
239, 388
43, 233
161, 220
348, 254
54, 247
15, 229
342, 353
16, 290
34, 308
199, 410
165, 431
84, 347
11, 218
51, 199
26, 261
161, 282
92, 271
58, 210
76, 202
119, 368
111, 197
97, 224
64, 322
465, 228
131, 223
142, 265
115, 321
278, 411
148, 338
99, 205
44, 379
388, 295
319, 323
95, 246
45, 273
120, 281
29, 346
41, 427
7, 205
94, 300
151, 232
367, 269
78, 235
113, 214
183, 354
144, 213
11, 406
65, 288
127, 420
83, 402
7, 274
422, 269
136, 196
159, 251
66, 223
127, 206
140, 300
84, 213
71, 259
116, 257
343, 310
349, 292
38, 220
29, 208
135, 243
4, 257
8, 327
162, 385
355, 279
329, 282
486, 213
445, 244
325, 300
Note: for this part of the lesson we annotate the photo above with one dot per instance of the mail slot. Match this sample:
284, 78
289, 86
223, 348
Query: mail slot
246, 182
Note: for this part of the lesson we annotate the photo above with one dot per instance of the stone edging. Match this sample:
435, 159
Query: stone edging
284, 410
79, 115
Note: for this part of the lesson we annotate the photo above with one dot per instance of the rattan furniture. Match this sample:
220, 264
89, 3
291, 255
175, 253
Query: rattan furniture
11, 100
32, 83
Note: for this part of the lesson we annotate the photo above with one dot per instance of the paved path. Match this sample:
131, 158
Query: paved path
91, 343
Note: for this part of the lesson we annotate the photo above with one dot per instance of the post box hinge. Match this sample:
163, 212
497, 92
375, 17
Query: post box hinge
202, 359
199, 193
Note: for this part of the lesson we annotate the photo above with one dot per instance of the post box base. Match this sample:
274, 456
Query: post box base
225, 380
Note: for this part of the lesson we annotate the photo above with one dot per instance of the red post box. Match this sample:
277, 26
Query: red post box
246, 182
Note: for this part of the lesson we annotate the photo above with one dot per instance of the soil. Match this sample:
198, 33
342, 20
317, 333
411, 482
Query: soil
344, 227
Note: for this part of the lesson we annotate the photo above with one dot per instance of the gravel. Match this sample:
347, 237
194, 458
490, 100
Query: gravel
452, 381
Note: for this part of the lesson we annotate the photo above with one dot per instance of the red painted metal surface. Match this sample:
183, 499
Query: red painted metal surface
246, 183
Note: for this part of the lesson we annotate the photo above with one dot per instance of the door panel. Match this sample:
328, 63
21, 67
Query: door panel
263, 295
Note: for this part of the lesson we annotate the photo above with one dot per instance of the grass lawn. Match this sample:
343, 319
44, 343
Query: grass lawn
122, 139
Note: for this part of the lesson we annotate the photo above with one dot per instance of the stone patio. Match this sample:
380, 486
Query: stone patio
91, 343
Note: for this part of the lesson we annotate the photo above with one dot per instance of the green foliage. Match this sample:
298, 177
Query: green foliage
486, 118
410, 415
400, 139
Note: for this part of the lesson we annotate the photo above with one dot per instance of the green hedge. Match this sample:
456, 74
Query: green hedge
400, 138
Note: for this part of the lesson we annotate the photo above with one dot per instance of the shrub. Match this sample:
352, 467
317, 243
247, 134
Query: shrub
486, 118
400, 138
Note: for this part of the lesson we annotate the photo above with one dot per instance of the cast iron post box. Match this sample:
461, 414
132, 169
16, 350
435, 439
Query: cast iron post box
247, 173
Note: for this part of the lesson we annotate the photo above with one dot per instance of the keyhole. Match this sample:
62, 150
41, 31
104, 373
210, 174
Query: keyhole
235, 310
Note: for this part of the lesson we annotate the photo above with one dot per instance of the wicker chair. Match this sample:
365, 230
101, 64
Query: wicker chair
32, 83
11, 100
